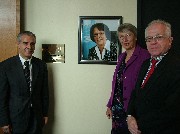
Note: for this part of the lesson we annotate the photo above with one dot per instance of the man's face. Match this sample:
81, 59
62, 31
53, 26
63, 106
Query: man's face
26, 46
157, 40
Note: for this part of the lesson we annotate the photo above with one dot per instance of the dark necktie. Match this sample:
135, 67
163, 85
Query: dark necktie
153, 65
27, 73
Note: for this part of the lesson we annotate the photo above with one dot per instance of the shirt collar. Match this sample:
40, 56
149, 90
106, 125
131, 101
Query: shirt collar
23, 60
159, 58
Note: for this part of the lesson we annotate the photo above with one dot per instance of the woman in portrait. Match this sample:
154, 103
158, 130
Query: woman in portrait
125, 77
104, 49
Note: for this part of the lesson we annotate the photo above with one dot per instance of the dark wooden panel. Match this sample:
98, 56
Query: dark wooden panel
168, 10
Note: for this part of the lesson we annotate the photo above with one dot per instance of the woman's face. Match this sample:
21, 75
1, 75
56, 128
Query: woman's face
127, 40
99, 37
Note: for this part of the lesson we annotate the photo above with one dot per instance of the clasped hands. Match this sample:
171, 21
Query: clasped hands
6, 129
132, 125
131, 121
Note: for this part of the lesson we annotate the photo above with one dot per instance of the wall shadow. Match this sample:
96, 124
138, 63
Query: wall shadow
48, 128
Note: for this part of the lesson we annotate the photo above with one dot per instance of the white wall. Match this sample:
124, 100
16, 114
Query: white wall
78, 92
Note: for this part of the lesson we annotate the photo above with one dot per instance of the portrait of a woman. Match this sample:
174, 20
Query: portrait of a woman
104, 49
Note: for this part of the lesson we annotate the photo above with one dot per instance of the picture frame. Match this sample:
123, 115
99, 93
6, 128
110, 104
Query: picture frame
97, 39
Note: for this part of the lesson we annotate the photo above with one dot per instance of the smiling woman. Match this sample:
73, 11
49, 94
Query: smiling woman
104, 49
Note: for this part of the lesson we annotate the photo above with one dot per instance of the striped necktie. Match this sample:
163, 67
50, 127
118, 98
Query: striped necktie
27, 73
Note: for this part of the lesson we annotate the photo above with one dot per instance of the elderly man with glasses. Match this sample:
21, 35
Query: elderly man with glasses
154, 107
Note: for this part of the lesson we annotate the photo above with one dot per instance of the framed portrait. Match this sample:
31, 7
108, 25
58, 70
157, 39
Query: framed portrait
97, 39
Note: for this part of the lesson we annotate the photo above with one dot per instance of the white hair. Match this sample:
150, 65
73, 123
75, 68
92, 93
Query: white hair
158, 21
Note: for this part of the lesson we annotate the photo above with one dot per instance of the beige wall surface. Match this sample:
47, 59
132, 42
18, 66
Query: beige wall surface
78, 92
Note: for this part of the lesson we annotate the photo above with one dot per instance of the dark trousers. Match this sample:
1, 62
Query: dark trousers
120, 131
33, 127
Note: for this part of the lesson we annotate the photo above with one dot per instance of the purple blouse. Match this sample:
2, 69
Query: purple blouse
130, 73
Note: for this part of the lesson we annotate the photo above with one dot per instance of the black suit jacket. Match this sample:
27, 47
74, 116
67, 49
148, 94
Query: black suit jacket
157, 106
15, 98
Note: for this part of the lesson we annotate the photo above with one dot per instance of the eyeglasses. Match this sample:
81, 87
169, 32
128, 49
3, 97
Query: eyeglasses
155, 38
100, 33
122, 37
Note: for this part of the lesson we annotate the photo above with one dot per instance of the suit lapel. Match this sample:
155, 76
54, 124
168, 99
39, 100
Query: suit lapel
35, 70
160, 69
132, 59
134, 56
143, 72
18, 70
154, 76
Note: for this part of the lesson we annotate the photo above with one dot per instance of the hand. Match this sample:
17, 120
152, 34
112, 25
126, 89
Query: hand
6, 129
45, 120
109, 113
132, 125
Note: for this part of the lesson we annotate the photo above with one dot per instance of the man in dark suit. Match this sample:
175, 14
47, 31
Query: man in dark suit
154, 107
24, 101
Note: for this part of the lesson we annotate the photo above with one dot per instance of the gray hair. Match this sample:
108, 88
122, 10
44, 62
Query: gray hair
158, 21
28, 33
127, 27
